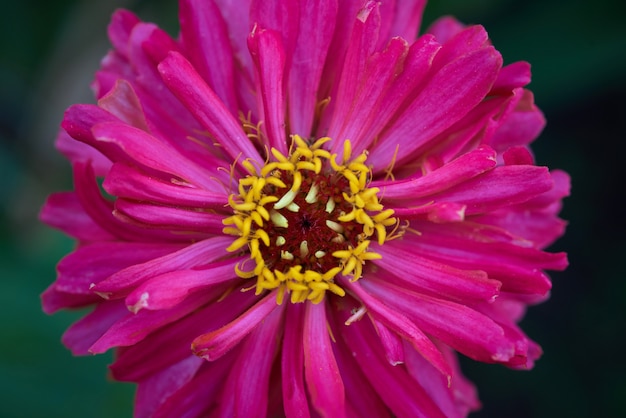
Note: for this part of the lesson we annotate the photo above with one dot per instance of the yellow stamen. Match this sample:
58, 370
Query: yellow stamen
278, 203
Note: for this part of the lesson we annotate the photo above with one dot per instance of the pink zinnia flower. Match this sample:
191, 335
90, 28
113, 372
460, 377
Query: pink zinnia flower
295, 208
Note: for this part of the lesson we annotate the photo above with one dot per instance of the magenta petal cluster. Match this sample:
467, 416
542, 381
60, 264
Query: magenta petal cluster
271, 121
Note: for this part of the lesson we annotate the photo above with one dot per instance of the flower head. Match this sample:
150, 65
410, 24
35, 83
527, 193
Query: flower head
300, 208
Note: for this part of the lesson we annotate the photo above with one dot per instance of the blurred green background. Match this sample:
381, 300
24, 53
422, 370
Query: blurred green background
49, 52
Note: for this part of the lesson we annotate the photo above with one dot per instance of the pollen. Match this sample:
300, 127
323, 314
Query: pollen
306, 218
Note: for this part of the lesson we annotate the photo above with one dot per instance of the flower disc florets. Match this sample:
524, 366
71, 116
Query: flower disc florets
306, 218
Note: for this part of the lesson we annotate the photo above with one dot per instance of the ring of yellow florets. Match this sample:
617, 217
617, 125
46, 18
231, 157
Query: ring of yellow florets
305, 219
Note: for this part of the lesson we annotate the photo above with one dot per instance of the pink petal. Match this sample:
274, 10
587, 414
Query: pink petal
361, 398
120, 28
362, 43
195, 255
172, 218
196, 397
461, 327
215, 344
52, 300
122, 142
132, 328
426, 275
354, 114
521, 127
465, 167
268, 56
95, 262
85, 332
155, 390
472, 246
172, 343
402, 395
512, 76
498, 188
399, 323
252, 369
320, 366
64, 211
407, 18
126, 181
445, 28
122, 102
317, 23
169, 289
76, 151
183, 80
204, 36
435, 385
452, 92
292, 363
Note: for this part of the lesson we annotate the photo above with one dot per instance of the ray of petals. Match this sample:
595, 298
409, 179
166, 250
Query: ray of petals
169, 217
535, 220
253, 367
407, 18
94, 262
435, 385
213, 345
345, 21
76, 151
406, 77
86, 331
238, 24
163, 384
64, 211
361, 398
122, 142
322, 375
204, 36
281, 17
521, 127
171, 343
132, 328
191, 89
501, 187
473, 246
196, 403
465, 394
512, 76
450, 93
472, 130
392, 343
148, 45
426, 275
445, 28
127, 181
292, 363
457, 171
402, 395
398, 322
469, 39
353, 115
199, 254
120, 29
122, 102
52, 299
169, 289
316, 26
362, 44
101, 210
268, 56
463, 328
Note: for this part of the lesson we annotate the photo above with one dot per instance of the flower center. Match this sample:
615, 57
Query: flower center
306, 218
